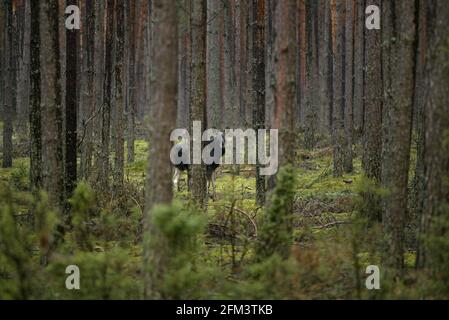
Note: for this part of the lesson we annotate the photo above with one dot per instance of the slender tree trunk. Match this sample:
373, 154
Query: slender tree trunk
372, 138
285, 90
23, 74
88, 114
9, 105
434, 217
359, 60
258, 58
71, 105
52, 140
119, 121
105, 115
35, 101
198, 92
349, 87
214, 89
131, 80
311, 112
323, 63
338, 132
398, 73
159, 189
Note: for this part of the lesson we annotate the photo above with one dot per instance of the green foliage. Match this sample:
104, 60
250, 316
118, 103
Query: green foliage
82, 202
368, 202
276, 232
104, 275
175, 253
19, 177
438, 251
16, 242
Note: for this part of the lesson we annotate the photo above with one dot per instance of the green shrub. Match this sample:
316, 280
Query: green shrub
276, 232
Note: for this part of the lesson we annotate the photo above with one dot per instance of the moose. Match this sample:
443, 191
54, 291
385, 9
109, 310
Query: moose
184, 163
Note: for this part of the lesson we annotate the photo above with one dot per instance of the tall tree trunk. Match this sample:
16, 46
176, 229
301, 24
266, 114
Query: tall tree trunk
435, 214
52, 140
349, 88
159, 189
131, 80
71, 105
214, 89
105, 114
35, 100
10, 90
398, 33
285, 90
198, 91
338, 132
324, 66
311, 106
359, 60
23, 74
119, 121
88, 114
419, 106
258, 68
372, 137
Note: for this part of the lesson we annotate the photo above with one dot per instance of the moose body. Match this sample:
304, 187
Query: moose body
184, 165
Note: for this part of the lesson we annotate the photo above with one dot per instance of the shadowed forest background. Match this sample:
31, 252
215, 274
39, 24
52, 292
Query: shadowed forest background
86, 178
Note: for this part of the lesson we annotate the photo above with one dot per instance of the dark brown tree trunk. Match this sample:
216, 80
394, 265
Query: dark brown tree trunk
105, 115
285, 90
372, 137
52, 140
325, 70
88, 115
71, 105
349, 87
214, 89
35, 101
159, 189
119, 121
198, 92
258, 69
398, 31
359, 61
131, 80
9, 89
338, 128
434, 217
311, 105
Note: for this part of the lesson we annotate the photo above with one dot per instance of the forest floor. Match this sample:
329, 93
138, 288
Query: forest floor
329, 250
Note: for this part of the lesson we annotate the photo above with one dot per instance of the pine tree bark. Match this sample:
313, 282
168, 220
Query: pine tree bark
9, 88
131, 80
198, 92
398, 34
214, 89
71, 106
285, 87
338, 127
119, 121
311, 105
359, 60
372, 137
87, 114
258, 68
434, 216
105, 114
35, 100
159, 189
349, 86
324, 65
52, 140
